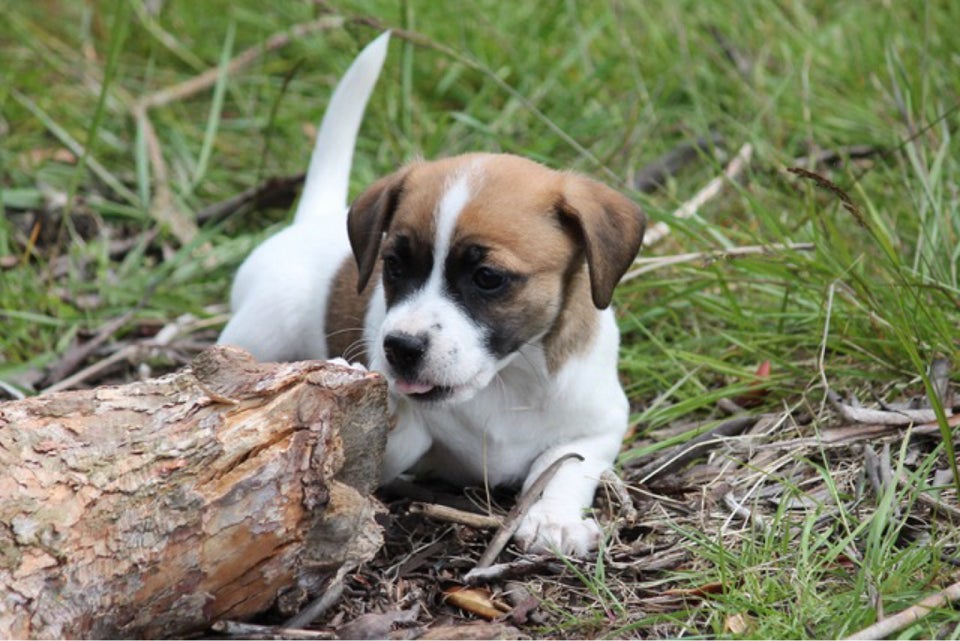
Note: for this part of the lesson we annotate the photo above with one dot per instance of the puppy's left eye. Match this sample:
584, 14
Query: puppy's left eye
489, 281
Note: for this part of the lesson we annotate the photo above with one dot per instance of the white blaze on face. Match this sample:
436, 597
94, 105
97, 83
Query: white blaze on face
457, 356
451, 205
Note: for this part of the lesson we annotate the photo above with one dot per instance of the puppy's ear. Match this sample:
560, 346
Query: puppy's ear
611, 227
368, 219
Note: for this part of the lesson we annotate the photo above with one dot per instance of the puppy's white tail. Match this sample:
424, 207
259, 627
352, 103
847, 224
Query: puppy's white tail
328, 177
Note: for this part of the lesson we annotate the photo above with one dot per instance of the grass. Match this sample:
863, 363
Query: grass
598, 87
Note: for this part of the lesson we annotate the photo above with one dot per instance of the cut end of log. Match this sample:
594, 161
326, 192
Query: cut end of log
158, 507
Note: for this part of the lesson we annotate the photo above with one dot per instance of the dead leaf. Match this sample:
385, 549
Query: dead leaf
700, 591
758, 391
36, 157
477, 601
739, 623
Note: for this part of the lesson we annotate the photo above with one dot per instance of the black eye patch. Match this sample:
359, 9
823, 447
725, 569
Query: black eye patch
487, 294
406, 267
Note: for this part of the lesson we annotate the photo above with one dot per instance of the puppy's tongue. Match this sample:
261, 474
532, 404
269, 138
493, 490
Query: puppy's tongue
409, 387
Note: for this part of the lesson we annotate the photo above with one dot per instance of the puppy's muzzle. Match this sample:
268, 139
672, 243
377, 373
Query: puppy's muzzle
405, 353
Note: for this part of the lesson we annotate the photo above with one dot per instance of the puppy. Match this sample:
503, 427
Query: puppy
479, 286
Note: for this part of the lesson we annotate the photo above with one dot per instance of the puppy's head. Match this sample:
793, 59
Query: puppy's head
482, 255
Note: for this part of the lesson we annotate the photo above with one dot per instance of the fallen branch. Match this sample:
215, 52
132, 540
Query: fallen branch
739, 509
893, 624
72, 359
154, 508
844, 436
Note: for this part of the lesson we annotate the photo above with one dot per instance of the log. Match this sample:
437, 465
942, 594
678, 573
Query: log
156, 508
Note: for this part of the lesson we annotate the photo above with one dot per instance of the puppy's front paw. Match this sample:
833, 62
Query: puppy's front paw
343, 362
552, 526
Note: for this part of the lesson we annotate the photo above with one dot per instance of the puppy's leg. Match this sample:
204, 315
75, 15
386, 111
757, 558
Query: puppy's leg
556, 521
406, 445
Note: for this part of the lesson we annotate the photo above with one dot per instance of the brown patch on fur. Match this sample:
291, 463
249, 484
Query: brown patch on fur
576, 326
346, 312
612, 227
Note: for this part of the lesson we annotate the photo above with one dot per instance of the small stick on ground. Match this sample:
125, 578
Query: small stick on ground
742, 511
453, 515
238, 630
844, 436
935, 504
940, 378
512, 522
900, 417
711, 190
514, 570
893, 624
129, 351
319, 606
72, 358
871, 466
615, 484
645, 265
69, 362
679, 455
524, 604
239, 62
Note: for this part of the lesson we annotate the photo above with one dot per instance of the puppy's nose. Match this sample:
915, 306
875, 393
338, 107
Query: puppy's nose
405, 351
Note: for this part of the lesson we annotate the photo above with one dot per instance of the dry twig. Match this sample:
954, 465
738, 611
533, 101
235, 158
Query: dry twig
739, 509
615, 484
130, 351
512, 522
238, 630
453, 515
645, 265
324, 602
898, 418
711, 190
893, 624
513, 570
681, 454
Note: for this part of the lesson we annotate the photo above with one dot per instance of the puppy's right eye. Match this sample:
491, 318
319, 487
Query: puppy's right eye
392, 267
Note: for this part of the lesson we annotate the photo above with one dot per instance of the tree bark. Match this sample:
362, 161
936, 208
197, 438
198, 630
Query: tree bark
155, 508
